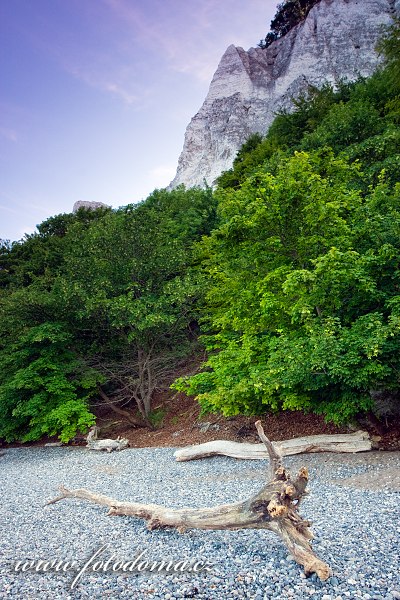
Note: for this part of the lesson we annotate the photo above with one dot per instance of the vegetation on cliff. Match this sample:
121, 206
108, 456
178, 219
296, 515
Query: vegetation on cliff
289, 14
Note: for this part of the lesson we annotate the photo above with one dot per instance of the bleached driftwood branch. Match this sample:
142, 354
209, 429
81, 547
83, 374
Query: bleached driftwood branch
93, 443
346, 442
274, 507
108, 444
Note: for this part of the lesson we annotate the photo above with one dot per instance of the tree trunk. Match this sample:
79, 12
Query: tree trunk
274, 507
122, 412
346, 442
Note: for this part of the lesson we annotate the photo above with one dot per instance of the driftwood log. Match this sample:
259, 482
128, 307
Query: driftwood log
108, 444
275, 507
347, 442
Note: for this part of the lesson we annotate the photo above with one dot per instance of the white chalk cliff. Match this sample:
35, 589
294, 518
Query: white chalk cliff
337, 40
88, 205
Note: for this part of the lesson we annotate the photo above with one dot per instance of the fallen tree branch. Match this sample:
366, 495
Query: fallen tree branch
346, 442
108, 444
274, 507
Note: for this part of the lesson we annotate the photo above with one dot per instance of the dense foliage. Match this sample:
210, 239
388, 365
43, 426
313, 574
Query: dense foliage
302, 310
99, 306
289, 14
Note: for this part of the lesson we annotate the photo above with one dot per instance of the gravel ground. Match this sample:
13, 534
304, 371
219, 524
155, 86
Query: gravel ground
356, 526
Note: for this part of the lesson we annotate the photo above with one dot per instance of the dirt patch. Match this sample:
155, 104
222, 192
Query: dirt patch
182, 425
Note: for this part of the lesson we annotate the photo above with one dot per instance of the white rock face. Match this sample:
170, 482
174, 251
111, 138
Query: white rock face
337, 40
88, 205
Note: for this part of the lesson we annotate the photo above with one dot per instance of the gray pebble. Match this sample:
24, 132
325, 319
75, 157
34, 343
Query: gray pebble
247, 563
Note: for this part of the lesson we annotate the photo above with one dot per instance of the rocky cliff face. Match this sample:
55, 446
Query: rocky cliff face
336, 41
88, 205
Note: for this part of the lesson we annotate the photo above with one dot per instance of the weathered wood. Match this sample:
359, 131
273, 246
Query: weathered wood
93, 434
274, 507
275, 456
346, 442
108, 444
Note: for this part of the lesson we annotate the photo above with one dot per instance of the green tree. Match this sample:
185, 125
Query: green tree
98, 306
45, 386
129, 284
303, 292
389, 47
302, 271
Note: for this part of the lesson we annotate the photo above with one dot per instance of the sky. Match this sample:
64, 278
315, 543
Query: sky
95, 96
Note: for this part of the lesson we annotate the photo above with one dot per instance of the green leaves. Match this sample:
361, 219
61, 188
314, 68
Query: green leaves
44, 386
300, 313
98, 298
346, 123
289, 14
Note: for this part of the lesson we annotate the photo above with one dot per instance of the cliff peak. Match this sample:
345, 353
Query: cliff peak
336, 41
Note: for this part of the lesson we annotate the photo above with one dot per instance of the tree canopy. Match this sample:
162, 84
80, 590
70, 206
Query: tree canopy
98, 306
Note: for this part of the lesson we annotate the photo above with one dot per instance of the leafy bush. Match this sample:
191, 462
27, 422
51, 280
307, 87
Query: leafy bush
44, 387
345, 124
300, 314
